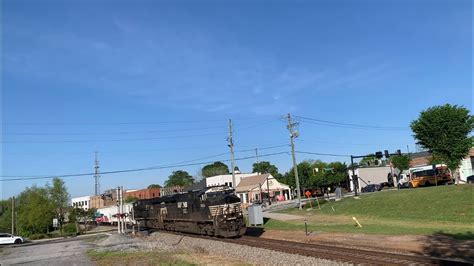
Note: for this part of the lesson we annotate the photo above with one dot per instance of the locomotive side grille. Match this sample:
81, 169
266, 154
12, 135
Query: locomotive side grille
225, 209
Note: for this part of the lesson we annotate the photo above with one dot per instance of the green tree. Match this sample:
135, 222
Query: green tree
5, 215
444, 131
179, 178
328, 174
154, 186
264, 168
129, 199
401, 162
216, 168
367, 160
305, 171
433, 159
35, 211
59, 198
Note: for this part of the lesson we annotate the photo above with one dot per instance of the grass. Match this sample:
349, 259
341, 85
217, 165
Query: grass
136, 258
430, 210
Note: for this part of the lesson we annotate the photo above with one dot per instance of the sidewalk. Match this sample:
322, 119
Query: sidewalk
281, 216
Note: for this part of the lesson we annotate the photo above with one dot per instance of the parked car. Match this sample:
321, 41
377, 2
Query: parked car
10, 239
371, 188
470, 179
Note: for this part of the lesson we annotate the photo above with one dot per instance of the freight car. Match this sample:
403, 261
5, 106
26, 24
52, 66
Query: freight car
213, 211
107, 215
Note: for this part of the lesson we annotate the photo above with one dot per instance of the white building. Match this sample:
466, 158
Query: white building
226, 180
81, 202
467, 166
371, 175
256, 188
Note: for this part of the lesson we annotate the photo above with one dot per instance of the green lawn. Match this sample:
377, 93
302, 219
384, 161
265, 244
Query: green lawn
136, 258
447, 209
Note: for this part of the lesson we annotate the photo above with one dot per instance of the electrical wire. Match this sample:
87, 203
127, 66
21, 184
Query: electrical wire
114, 140
108, 133
134, 170
347, 125
122, 123
325, 154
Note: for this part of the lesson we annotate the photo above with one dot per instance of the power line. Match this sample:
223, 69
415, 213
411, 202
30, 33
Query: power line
106, 133
114, 140
154, 150
120, 123
348, 125
135, 169
263, 148
325, 154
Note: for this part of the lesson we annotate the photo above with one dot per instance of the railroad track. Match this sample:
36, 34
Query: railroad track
333, 253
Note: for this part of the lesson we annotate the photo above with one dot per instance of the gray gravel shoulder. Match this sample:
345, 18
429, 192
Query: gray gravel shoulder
175, 243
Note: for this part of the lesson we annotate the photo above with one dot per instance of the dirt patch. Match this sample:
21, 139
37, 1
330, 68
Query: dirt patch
412, 244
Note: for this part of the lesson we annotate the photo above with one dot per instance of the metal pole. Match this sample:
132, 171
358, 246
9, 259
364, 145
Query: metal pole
353, 176
13, 215
268, 191
124, 220
96, 175
256, 154
231, 146
118, 210
295, 168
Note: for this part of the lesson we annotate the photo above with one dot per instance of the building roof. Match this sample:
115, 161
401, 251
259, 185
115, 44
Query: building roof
251, 182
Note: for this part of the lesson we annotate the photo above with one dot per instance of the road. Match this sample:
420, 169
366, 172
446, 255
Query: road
58, 252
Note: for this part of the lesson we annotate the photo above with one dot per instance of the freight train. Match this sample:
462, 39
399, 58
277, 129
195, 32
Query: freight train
212, 211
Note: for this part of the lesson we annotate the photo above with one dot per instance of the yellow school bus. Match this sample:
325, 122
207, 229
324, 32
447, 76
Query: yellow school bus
429, 175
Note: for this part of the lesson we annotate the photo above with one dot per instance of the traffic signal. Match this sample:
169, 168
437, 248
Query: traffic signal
399, 152
379, 155
387, 154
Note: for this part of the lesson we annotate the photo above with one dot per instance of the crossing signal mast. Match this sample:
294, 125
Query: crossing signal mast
96, 175
294, 134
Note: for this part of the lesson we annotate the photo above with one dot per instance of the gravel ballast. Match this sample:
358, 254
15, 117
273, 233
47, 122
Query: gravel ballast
176, 243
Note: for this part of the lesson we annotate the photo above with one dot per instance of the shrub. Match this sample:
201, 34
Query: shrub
69, 229
38, 236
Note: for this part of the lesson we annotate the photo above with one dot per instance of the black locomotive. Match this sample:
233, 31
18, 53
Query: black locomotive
213, 211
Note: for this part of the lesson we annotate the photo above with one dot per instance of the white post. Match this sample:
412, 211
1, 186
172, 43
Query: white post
118, 211
122, 210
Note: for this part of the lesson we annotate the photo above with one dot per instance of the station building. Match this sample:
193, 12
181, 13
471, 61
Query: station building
82, 202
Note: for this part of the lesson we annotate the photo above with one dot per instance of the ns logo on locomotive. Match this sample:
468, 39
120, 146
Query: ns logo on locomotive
215, 211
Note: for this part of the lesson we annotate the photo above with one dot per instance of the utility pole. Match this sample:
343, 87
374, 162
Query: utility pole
13, 215
124, 225
256, 154
354, 181
231, 146
294, 134
119, 228
96, 175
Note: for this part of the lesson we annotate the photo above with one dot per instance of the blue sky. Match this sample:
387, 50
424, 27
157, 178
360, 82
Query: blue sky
150, 83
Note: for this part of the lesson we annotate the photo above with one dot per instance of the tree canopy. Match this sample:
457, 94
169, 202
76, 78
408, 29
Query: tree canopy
444, 130
216, 168
179, 178
328, 174
35, 211
59, 198
154, 186
264, 167
401, 162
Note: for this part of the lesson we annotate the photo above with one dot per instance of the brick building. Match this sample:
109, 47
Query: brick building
147, 193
